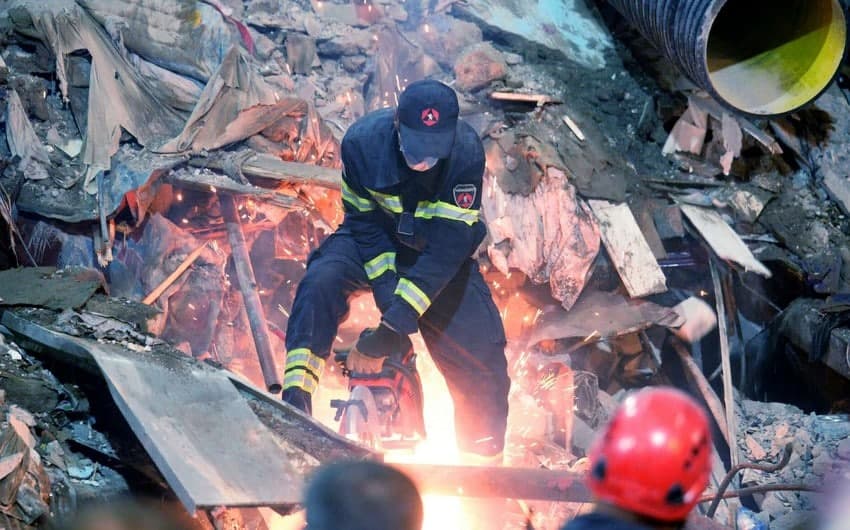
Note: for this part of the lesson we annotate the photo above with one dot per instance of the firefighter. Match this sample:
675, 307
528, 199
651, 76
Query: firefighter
362, 495
411, 190
650, 466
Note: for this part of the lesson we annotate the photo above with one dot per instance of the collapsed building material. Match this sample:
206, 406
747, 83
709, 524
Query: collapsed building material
561, 31
628, 249
755, 64
697, 379
270, 167
823, 334
723, 240
599, 315
559, 248
726, 365
66, 27
237, 459
48, 287
250, 296
498, 482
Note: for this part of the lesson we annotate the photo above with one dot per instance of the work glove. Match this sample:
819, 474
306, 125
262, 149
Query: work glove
298, 398
368, 354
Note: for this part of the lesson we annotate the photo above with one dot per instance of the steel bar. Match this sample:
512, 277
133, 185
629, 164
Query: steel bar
498, 482
248, 288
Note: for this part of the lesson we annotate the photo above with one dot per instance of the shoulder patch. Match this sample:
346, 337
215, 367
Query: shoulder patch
464, 195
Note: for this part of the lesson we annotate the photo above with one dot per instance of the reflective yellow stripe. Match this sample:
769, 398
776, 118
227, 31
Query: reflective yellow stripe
444, 210
302, 370
356, 201
390, 203
413, 295
380, 264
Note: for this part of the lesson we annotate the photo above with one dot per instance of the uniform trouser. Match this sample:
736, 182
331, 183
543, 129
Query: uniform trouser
462, 331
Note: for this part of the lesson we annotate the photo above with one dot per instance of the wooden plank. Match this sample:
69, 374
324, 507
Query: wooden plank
725, 242
199, 431
539, 99
271, 167
698, 381
726, 365
647, 226
216, 183
628, 249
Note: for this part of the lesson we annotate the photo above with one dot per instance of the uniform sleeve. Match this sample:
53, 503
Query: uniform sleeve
363, 218
454, 233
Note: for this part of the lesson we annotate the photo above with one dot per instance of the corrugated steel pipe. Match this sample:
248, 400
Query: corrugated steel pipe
761, 57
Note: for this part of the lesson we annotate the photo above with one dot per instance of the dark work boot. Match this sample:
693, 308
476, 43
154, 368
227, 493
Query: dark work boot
298, 398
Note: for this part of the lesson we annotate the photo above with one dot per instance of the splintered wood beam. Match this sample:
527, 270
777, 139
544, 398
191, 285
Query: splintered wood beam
628, 249
166, 283
498, 482
699, 381
537, 99
250, 295
267, 166
726, 364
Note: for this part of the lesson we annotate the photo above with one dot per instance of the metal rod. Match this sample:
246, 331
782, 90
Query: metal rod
762, 488
769, 468
697, 378
498, 482
248, 287
726, 364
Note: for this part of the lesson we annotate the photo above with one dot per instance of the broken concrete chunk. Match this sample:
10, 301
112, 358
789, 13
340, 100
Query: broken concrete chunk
478, 66
300, 53
688, 134
565, 29
445, 37
733, 139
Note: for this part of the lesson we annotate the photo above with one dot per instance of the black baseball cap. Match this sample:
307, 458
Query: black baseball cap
427, 119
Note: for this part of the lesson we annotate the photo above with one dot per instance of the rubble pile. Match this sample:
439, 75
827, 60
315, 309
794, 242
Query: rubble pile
624, 206
820, 454
44, 475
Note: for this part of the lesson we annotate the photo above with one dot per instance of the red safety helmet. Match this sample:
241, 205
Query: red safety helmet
654, 458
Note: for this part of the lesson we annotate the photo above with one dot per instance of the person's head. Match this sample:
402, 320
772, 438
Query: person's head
362, 495
127, 514
427, 118
654, 457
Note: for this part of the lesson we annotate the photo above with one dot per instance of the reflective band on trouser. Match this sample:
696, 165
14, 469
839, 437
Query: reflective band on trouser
359, 203
302, 370
413, 295
444, 210
380, 264
391, 203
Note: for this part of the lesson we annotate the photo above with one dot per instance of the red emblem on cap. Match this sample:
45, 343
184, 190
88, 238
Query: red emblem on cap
430, 117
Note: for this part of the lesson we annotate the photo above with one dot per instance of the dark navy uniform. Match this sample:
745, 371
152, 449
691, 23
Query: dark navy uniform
409, 236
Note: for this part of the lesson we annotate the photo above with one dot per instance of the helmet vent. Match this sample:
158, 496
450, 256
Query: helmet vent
675, 495
599, 470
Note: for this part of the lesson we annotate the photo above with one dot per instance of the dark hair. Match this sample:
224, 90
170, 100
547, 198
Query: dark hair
362, 495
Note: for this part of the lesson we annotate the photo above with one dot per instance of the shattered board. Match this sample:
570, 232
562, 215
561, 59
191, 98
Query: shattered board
599, 315
47, 287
